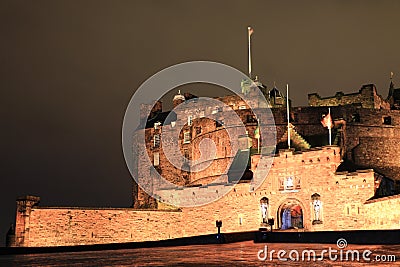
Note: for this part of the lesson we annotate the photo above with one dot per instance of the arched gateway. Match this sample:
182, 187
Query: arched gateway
291, 214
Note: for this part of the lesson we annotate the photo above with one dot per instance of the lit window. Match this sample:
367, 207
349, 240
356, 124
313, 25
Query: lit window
156, 140
186, 138
242, 107
156, 161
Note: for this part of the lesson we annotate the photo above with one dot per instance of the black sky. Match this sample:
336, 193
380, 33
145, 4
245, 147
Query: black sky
69, 68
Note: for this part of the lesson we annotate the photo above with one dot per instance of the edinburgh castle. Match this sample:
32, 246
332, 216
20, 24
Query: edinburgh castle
352, 184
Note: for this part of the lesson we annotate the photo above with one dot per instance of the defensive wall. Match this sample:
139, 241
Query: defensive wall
345, 199
367, 97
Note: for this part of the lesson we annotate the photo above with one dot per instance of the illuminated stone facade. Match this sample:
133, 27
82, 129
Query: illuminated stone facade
350, 185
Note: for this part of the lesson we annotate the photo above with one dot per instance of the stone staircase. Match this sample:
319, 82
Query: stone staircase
297, 140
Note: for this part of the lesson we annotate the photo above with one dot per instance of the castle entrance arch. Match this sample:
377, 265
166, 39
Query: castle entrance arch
291, 215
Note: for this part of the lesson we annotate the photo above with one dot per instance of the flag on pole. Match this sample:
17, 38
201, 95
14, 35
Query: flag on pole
250, 29
327, 121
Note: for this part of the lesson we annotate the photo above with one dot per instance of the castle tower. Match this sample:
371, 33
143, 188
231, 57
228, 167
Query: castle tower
178, 99
24, 207
275, 97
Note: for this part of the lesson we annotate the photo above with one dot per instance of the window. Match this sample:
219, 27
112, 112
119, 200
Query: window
242, 107
198, 130
189, 122
186, 153
156, 160
294, 117
186, 137
251, 119
156, 140
298, 184
387, 120
281, 184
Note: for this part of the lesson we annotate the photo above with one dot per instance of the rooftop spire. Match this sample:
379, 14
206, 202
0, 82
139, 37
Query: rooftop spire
391, 86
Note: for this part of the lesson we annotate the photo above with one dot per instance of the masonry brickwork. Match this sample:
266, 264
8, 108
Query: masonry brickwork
239, 209
366, 133
367, 97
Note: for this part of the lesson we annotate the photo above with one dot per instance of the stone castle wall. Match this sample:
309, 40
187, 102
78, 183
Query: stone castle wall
374, 151
360, 124
367, 97
82, 226
344, 199
346, 205
383, 212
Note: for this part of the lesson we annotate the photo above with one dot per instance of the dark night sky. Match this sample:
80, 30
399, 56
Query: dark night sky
69, 68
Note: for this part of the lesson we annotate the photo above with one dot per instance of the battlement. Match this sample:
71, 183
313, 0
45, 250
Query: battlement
367, 97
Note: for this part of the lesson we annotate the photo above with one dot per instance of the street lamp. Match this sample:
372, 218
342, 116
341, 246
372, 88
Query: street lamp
271, 222
218, 224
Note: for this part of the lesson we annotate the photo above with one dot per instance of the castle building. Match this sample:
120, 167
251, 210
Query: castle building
352, 184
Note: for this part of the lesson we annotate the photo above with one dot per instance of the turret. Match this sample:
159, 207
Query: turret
178, 99
275, 97
22, 221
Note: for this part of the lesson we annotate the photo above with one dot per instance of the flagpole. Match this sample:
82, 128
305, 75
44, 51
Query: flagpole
288, 116
329, 128
249, 44
258, 137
